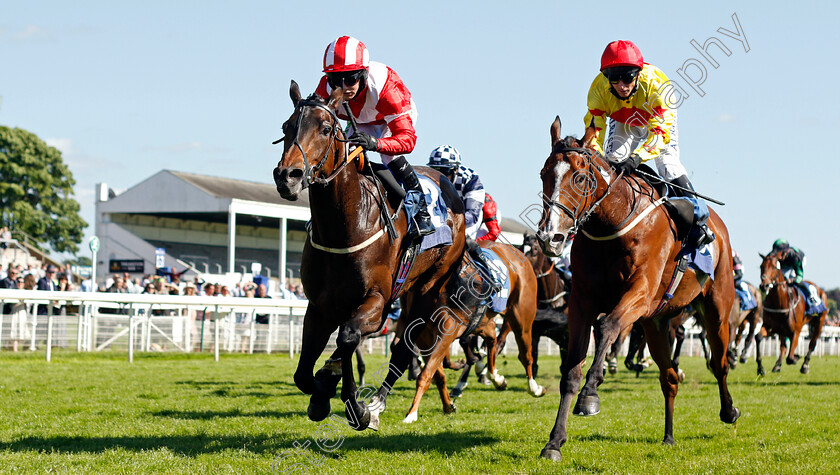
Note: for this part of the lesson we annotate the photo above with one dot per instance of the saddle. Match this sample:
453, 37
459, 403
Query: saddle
386, 178
681, 211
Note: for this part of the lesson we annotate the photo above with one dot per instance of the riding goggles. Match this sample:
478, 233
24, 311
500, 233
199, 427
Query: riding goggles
622, 73
349, 79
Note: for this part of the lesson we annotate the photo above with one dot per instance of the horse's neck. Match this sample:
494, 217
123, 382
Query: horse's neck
341, 209
617, 205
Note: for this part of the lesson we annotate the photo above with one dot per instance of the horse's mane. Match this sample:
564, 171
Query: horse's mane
315, 98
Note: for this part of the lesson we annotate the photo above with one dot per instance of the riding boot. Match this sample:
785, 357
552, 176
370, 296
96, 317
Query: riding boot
704, 235
404, 173
478, 256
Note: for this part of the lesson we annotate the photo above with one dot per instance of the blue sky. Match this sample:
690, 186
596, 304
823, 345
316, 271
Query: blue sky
125, 90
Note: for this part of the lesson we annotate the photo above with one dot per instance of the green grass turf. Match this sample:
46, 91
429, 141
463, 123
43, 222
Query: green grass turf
175, 413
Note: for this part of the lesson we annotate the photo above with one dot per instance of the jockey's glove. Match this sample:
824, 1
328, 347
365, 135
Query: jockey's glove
363, 140
631, 163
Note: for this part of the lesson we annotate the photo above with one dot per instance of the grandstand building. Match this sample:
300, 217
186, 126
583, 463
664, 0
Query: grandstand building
210, 225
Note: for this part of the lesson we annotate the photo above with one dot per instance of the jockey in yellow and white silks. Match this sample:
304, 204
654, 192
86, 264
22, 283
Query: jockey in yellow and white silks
642, 126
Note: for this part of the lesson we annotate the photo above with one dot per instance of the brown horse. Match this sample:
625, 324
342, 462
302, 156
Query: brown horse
349, 263
518, 313
622, 262
785, 315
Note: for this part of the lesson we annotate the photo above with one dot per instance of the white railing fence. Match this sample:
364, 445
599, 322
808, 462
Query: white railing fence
96, 321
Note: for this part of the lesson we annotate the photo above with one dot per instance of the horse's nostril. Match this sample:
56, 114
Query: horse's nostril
558, 238
296, 173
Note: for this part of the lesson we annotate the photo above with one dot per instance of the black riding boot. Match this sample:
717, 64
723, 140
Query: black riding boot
705, 235
404, 174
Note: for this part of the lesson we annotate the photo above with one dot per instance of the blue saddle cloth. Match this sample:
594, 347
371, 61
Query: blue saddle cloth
502, 275
809, 308
437, 211
747, 300
701, 260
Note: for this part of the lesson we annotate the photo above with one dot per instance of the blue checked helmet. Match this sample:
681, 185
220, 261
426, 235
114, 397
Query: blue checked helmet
445, 158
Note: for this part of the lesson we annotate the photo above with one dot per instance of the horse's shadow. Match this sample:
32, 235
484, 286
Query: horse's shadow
445, 443
185, 445
636, 439
210, 415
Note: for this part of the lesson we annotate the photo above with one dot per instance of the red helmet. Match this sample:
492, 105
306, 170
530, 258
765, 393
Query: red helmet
621, 53
346, 54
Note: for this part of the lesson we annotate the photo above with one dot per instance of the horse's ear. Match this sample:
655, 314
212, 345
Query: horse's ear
336, 98
589, 138
556, 136
294, 93
762, 256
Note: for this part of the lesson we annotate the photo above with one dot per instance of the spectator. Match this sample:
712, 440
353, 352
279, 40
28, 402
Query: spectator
209, 289
10, 282
118, 286
189, 289
64, 284
262, 293
47, 283
225, 292
150, 289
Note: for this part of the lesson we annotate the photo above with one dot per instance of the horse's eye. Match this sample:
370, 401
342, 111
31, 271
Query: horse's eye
326, 130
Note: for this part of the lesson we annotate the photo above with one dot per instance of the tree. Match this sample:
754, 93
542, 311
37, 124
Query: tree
36, 191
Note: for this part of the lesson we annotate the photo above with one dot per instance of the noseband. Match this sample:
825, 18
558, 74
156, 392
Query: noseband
310, 173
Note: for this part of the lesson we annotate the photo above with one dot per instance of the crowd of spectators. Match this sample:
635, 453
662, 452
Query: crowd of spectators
155, 284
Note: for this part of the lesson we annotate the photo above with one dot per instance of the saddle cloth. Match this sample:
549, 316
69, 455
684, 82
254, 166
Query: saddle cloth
747, 300
810, 309
498, 302
437, 210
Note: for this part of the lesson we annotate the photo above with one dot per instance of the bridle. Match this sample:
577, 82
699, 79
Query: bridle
591, 187
546, 273
782, 283
310, 173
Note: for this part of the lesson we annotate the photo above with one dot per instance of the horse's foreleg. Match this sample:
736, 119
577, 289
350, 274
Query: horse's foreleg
579, 333
360, 364
488, 333
365, 320
759, 335
792, 357
745, 353
440, 381
315, 337
433, 363
522, 331
660, 350
782, 350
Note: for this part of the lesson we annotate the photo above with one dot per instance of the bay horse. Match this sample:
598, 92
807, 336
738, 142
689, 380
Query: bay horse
349, 263
785, 315
739, 320
623, 261
518, 313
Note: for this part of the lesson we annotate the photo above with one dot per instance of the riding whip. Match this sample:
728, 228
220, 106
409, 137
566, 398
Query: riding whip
687, 190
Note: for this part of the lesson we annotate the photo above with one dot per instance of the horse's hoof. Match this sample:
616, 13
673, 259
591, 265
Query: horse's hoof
551, 454
319, 408
360, 417
742, 359
730, 418
761, 371
668, 440
411, 417
374, 422
457, 391
613, 367
733, 364
777, 368
499, 382
804, 369
587, 406
483, 379
792, 360
535, 389
681, 376
457, 365
449, 409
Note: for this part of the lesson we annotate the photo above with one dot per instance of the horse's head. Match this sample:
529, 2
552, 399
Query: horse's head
531, 248
310, 138
771, 271
568, 184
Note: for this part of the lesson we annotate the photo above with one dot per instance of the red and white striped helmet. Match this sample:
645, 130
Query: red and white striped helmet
346, 54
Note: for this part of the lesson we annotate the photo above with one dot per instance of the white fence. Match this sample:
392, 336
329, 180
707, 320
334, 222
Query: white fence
89, 322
